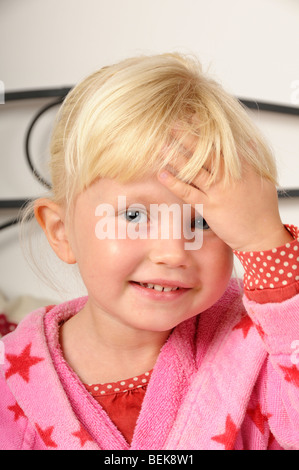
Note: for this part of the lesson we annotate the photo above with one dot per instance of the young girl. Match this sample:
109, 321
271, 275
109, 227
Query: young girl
165, 351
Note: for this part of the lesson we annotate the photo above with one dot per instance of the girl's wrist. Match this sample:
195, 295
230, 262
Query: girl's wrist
270, 239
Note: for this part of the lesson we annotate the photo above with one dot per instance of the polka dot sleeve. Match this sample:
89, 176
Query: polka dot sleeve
272, 275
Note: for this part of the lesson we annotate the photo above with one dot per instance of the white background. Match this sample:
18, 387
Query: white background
251, 47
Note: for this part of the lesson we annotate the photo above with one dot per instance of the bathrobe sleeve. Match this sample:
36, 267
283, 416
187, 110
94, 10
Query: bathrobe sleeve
15, 431
271, 299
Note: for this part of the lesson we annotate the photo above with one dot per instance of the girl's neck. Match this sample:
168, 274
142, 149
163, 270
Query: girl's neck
102, 351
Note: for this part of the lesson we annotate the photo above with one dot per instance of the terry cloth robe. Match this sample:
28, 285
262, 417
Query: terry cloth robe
225, 379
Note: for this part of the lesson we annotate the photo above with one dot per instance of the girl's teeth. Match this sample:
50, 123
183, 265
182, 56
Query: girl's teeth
158, 287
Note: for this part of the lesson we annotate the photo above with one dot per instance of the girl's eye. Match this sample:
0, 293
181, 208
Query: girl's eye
199, 222
135, 215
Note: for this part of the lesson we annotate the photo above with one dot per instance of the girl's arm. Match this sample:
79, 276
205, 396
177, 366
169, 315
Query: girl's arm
271, 287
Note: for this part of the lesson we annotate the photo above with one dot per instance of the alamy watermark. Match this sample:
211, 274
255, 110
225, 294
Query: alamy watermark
2, 93
295, 353
153, 224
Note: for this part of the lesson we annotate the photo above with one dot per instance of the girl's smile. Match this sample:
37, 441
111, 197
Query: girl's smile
161, 290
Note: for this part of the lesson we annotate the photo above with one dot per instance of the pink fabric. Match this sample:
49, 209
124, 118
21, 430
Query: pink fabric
224, 380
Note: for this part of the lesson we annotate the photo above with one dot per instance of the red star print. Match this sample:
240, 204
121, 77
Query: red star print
258, 327
20, 364
229, 436
260, 330
291, 374
83, 435
17, 410
258, 417
271, 439
245, 324
45, 434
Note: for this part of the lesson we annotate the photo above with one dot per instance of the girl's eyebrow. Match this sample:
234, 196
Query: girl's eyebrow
127, 200
145, 200
132, 197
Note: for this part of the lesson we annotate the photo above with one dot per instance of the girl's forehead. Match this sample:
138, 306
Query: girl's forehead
148, 189
113, 185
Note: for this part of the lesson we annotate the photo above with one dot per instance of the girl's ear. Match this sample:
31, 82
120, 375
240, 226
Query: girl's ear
51, 218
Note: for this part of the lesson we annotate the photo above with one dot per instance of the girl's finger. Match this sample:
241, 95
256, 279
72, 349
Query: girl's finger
178, 164
189, 193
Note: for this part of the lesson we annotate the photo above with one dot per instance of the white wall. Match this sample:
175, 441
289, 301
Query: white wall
252, 47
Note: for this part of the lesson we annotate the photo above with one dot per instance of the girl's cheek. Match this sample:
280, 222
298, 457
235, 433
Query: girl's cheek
122, 255
216, 254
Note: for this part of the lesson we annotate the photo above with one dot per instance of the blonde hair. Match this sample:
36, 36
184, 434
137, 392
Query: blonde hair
119, 121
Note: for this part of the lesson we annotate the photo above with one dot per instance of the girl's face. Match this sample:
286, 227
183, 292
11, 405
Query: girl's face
120, 272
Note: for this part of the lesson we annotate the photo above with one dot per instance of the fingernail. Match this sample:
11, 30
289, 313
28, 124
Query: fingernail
164, 175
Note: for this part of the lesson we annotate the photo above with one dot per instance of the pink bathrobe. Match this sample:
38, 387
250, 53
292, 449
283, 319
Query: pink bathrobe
226, 379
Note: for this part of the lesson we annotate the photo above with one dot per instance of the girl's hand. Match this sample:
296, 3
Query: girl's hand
244, 215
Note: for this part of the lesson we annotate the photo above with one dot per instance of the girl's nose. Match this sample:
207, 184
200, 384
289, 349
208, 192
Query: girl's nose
170, 252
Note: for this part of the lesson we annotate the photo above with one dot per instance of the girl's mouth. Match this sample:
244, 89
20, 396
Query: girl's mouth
159, 291
157, 287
